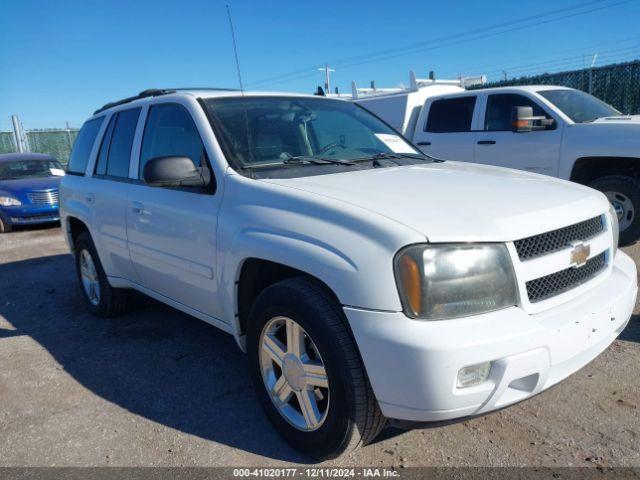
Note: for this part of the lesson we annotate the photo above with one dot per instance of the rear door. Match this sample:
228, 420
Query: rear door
172, 231
445, 130
107, 192
496, 144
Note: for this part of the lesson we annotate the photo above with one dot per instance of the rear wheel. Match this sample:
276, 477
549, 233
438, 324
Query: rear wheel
103, 300
307, 371
624, 194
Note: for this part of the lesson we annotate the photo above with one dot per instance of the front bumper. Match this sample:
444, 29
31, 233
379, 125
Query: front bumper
30, 215
413, 365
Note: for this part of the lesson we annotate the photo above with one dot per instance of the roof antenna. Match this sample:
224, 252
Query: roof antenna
235, 49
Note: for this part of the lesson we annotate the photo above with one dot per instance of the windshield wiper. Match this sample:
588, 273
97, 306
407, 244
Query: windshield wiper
302, 160
394, 156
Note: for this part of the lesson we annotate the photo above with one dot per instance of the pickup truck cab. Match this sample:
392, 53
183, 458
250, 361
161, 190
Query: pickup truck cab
364, 279
570, 135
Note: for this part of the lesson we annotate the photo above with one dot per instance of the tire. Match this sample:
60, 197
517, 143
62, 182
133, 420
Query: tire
352, 417
624, 193
110, 301
5, 226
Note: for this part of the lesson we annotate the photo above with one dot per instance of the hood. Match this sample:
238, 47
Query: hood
626, 119
460, 202
20, 186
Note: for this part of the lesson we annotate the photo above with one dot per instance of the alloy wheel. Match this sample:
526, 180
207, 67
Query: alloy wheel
294, 374
89, 277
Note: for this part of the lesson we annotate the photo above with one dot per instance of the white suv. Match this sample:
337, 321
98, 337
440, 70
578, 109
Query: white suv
364, 280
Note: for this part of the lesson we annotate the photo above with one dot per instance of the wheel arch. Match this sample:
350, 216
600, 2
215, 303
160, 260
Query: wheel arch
587, 169
74, 227
255, 275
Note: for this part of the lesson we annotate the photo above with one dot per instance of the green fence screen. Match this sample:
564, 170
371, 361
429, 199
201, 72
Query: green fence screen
56, 143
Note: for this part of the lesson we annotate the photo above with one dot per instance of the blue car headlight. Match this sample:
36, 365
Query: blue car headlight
9, 202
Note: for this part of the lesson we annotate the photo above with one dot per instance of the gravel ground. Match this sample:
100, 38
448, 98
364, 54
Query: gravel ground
158, 388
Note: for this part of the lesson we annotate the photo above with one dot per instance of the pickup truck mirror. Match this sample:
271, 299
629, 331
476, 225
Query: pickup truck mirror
522, 120
175, 172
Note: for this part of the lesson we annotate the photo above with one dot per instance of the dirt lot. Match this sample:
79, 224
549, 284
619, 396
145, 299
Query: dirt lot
156, 387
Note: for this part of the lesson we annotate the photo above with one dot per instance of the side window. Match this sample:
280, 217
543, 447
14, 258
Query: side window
451, 115
83, 145
101, 164
499, 107
170, 131
121, 143
115, 149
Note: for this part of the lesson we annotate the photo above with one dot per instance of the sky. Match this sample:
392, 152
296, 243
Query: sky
62, 59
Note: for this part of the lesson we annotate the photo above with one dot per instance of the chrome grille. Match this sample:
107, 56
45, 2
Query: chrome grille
555, 240
564, 280
43, 197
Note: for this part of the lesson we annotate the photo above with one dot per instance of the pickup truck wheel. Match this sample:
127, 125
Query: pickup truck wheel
624, 194
307, 371
103, 300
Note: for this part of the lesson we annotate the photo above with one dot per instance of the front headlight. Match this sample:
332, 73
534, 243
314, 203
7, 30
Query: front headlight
9, 202
438, 282
615, 228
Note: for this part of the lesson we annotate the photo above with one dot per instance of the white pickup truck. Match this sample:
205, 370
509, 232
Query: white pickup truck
364, 279
563, 133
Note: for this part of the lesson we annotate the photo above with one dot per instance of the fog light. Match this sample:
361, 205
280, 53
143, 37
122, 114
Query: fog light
473, 374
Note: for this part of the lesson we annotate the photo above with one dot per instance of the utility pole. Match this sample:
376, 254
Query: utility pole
327, 71
19, 135
593, 62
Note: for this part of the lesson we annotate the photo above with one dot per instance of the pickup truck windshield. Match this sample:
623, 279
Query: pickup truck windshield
21, 169
579, 106
278, 132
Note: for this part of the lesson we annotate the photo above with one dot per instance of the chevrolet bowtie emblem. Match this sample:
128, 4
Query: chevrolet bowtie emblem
579, 253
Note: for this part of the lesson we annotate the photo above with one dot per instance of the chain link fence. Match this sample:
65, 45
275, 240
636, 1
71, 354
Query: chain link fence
617, 85
54, 142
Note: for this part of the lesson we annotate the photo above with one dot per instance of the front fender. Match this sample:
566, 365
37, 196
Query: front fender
349, 249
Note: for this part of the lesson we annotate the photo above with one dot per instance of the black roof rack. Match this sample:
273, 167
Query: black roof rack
154, 92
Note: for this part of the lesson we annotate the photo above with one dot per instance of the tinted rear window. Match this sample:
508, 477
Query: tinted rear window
121, 143
115, 150
451, 115
83, 145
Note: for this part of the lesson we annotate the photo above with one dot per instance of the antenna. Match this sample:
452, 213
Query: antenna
235, 49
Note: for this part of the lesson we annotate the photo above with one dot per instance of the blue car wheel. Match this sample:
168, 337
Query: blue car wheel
5, 226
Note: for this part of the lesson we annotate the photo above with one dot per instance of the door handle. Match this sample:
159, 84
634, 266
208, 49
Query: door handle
423, 143
90, 197
486, 142
137, 207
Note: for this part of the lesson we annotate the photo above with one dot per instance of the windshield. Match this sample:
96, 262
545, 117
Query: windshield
20, 169
579, 106
278, 131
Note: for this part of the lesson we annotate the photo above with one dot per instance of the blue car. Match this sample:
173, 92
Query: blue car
28, 189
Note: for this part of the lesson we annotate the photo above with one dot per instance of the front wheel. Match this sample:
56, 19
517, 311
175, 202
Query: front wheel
624, 194
5, 226
307, 371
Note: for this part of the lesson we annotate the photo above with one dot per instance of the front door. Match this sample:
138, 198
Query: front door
496, 144
172, 231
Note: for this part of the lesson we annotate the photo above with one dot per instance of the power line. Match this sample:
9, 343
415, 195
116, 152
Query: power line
577, 63
572, 59
424, 46
588, 49
438, 39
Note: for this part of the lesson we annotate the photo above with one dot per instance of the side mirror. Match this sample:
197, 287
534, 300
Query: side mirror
175, 172
522, 120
